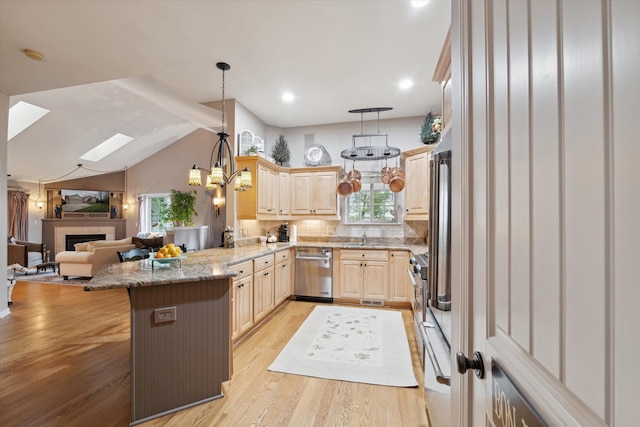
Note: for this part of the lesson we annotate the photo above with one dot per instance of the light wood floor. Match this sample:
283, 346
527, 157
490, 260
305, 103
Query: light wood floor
64, 361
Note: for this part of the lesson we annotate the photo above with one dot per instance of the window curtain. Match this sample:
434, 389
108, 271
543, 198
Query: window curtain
18, 215
140, 214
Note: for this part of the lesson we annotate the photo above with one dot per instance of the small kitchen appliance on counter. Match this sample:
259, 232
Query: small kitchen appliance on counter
283, 233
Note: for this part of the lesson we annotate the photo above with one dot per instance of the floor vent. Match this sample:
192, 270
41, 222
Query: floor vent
373, 302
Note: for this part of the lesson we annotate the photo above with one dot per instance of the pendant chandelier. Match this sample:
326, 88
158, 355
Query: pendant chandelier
216, 174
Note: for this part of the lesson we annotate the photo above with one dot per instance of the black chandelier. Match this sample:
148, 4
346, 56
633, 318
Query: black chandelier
216, 174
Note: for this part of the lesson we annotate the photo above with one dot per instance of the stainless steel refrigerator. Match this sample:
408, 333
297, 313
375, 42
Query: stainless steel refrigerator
439, 282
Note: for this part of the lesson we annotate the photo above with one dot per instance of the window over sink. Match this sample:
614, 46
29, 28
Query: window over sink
373, 204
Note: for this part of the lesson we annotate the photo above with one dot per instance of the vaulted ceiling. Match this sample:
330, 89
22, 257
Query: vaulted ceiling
143, 68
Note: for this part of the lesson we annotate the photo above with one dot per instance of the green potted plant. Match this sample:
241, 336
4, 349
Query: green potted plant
181, 208
431, 128
251, 151
280, 151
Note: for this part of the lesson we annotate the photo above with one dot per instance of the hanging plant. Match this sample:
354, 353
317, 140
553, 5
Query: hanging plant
280, 151
181, 208
431, 128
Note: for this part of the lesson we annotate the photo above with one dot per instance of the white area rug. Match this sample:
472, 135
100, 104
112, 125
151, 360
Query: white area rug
350, 344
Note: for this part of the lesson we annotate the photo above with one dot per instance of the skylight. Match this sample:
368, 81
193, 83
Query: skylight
109, 146
21, 116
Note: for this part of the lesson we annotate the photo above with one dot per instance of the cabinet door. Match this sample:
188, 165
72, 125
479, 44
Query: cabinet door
351, 278
325, 197
416, 191
242, 305
263, 294
376, 279
400, 284
283, 281
284, 197
302, 191
267, 188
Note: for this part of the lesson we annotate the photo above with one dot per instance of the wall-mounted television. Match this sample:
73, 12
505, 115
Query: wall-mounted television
84, 201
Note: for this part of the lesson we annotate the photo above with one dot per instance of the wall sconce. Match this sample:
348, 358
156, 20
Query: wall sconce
217, 201
125, 206
39, 204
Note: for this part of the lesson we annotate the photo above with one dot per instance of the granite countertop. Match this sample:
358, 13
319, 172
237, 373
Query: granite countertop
210, 264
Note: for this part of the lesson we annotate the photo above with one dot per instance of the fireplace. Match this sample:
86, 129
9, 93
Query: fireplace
72, 239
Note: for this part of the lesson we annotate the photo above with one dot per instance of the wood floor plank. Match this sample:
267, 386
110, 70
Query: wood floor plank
65, 361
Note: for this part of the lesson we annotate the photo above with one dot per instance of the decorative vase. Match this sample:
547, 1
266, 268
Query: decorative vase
56, 211
114, 212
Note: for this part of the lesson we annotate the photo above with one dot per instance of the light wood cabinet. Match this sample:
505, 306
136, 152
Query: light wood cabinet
283, 278
268, 196
364, 274
242, 306
417, 183
314, 192
284, 196
262, 199
263, 287
400, 288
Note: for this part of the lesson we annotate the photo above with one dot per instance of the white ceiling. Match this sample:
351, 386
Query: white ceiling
142, 68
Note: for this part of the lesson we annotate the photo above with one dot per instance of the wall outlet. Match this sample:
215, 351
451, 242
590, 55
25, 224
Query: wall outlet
165, 314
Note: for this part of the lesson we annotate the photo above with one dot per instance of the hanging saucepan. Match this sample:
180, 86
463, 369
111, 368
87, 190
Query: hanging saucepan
398, 171
354, 174
385, 175
344, 187
396, 183
356, 184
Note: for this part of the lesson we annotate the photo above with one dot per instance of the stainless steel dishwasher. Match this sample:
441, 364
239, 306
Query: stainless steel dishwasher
314, 270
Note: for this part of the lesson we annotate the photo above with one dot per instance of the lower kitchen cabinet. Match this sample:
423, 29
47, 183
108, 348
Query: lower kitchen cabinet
364, 274
242, 306
263, 293
242, 314
400, 288
283, 280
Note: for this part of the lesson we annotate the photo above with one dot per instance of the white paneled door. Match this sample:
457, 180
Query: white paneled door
546, 205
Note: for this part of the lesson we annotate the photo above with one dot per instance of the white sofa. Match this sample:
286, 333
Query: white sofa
90, 257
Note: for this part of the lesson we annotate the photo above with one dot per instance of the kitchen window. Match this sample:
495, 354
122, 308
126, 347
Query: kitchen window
373, 204
151, 210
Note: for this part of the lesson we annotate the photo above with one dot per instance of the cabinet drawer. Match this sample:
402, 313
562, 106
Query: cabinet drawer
243, 269
282, 256
263, 262
359, 254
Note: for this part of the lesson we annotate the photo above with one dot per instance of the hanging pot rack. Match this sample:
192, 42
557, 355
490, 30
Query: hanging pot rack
370, 152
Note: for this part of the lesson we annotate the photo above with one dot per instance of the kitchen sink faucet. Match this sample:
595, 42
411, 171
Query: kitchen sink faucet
364, 237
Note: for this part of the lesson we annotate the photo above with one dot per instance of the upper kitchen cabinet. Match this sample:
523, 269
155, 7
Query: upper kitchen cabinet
284, 200
314, 192
262, 200
442, 75
416, 188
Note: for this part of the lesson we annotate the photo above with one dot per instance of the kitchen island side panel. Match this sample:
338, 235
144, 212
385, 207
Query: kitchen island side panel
181, 362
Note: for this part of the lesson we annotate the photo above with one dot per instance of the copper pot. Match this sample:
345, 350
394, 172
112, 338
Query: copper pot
356, 184
345, 188
385, 175
354, 174
396, 184
398, 171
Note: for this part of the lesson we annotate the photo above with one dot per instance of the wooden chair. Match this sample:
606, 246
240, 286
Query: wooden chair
133, 255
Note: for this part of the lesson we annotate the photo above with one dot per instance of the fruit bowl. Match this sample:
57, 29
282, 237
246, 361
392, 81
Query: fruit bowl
152, 256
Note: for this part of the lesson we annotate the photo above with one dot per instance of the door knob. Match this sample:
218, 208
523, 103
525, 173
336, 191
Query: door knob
464, 364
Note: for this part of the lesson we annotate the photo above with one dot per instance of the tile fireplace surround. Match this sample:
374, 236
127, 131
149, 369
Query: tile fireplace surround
60, 234
54, 231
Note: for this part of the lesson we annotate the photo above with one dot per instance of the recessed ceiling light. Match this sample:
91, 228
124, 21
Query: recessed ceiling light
405, 84
419, 3
109, 146
21, 116
288, 97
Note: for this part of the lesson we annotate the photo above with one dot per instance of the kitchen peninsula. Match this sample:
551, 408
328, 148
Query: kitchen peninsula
183, 319
180, 327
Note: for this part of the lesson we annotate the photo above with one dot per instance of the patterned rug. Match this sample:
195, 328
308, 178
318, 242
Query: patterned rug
49, 277
350, 344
